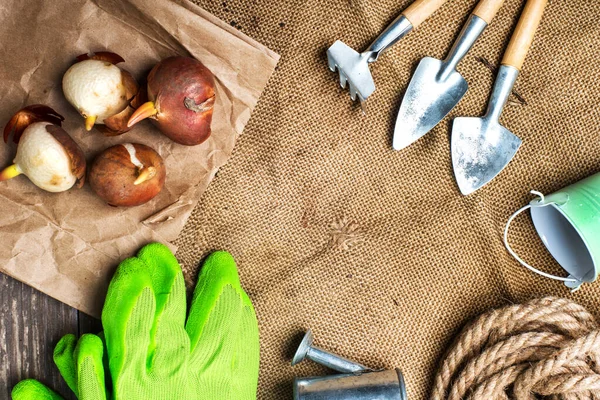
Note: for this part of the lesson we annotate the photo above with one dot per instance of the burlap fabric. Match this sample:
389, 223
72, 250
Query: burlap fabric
376, 250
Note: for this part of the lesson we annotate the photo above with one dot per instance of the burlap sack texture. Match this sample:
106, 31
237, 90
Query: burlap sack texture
376, 250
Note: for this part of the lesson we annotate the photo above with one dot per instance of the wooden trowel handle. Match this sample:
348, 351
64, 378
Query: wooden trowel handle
420, 10
522, 37
487, 9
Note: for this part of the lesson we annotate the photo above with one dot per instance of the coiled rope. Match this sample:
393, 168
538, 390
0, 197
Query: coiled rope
547, 348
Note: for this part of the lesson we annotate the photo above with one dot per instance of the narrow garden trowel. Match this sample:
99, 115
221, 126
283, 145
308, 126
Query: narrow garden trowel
353, 67
436, 86
481, 147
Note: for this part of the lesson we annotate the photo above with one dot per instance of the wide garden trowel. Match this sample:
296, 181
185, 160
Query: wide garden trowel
481, 147
353, 67
436, 86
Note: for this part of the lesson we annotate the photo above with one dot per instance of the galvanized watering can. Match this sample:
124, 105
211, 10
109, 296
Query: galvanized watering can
356, 382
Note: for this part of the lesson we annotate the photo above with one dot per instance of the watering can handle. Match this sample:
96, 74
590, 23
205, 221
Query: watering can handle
420, 10
522, 37
571, 282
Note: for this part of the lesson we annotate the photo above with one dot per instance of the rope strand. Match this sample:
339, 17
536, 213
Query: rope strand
547, 348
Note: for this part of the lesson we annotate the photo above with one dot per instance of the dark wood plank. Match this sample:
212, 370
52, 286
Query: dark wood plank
88, 324
31, 323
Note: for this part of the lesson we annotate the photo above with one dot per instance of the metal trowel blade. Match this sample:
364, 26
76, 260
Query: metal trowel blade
353, 69
481, 149
430, 96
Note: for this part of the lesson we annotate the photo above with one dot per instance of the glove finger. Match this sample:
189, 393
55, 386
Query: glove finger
169, 340
218, 271
63, 358
227, 357
127, 318
246, 349
31, 389
224, 332
90, 369
107, 377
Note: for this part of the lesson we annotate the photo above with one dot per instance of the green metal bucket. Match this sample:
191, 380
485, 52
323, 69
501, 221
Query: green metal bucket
568, 222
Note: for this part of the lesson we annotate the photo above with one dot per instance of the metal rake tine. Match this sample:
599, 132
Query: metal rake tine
343, 80
353, 92
363, 104
331, 63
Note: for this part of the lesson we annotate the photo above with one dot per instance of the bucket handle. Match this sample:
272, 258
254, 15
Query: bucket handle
570, 282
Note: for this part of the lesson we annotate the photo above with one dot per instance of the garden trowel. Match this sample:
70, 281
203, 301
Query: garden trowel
353, 67
436, 86
481, 147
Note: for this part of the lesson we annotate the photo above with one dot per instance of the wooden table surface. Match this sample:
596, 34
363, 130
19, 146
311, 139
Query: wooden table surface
31, 323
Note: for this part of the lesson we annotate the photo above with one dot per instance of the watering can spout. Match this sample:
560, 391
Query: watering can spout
357, 382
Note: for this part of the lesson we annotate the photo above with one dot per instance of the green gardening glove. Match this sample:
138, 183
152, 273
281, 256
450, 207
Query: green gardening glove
155, 353
80, 364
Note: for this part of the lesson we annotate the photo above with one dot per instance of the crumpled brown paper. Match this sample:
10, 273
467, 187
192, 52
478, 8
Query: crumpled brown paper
68, 244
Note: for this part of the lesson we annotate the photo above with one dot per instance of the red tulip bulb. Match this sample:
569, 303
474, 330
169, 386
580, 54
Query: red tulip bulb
181, 91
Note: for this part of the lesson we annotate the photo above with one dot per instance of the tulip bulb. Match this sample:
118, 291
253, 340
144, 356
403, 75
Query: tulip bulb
181, 94
46, 154
127, 174
101, 92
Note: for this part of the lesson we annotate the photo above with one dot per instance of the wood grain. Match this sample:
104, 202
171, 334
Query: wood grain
522, 37
88, 324
31, 323
487, 9
420, 10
